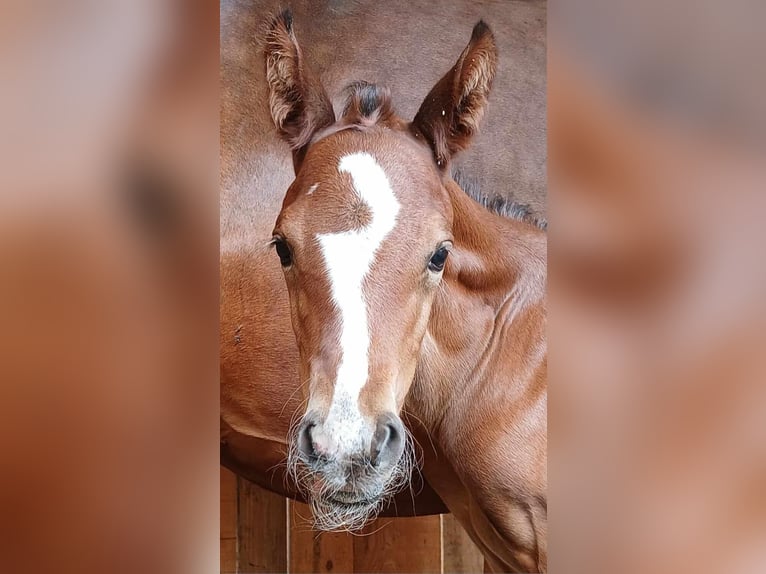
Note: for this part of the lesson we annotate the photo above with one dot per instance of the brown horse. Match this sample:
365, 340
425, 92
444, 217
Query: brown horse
408, 296
259, 373
259, 364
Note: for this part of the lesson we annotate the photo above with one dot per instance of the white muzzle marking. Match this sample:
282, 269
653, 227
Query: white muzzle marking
349, 256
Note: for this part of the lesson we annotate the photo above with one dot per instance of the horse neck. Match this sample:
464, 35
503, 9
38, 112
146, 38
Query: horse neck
493, 286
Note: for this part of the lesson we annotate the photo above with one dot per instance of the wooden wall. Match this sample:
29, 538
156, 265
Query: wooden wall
264, 532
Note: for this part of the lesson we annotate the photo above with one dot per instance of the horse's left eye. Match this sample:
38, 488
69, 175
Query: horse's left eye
436, 264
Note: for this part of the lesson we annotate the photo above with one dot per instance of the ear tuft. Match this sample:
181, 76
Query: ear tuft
479, 62
287, 18
283, 20
449, 117
367, 104
480, 29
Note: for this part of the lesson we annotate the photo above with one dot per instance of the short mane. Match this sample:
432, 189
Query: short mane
498, 204
367, 104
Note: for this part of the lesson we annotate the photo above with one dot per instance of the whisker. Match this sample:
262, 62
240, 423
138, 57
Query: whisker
424, 427
298, 388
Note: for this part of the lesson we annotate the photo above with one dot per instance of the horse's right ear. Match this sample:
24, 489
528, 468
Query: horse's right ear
299, 104
449, 116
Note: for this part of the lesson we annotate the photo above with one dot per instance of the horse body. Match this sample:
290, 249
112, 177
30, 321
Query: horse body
479, 398
259, 364
478, 379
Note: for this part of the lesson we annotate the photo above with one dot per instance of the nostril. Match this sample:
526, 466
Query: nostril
393, 433
306, 442
379, 442
386, 441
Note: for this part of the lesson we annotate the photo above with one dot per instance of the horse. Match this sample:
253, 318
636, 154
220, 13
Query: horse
258, 373
383, 256
260, 382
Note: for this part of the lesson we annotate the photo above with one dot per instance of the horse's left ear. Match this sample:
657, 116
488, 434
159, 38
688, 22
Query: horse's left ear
449, 116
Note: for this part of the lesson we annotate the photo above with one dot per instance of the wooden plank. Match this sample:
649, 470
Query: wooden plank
403, 545
228, 555
262, 531
460, 553
228, 504
228, 526
312, 551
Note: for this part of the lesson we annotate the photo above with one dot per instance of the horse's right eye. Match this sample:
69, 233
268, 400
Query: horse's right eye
283, 250
436, 263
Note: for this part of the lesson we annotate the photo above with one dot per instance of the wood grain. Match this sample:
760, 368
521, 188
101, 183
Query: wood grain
228, 522
320, 552
404, 545
262, 531
460, 553
255, 538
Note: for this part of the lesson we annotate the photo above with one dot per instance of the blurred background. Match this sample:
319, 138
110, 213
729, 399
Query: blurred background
657, 189
109, 286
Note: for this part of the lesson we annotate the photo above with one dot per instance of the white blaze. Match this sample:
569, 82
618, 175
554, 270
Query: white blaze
349, 256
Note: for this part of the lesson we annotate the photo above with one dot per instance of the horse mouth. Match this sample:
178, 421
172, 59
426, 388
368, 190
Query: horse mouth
351, 499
